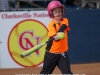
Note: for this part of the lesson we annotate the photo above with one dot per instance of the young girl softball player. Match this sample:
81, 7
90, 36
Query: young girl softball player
56, 50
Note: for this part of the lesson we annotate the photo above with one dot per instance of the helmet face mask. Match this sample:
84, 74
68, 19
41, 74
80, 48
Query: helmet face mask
57, 12
52, 5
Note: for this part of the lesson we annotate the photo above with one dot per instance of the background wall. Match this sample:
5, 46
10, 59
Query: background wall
84, 42
84, 36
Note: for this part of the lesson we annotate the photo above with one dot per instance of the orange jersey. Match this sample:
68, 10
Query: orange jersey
61, 45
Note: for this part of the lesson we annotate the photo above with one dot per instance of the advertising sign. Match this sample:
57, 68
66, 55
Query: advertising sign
20, 31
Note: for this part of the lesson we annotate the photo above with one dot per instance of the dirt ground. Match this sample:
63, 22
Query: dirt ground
77, 69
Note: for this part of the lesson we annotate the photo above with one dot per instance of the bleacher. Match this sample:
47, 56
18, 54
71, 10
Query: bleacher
42, 4
28, 4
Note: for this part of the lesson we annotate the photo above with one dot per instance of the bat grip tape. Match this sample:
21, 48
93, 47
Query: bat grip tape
50, 40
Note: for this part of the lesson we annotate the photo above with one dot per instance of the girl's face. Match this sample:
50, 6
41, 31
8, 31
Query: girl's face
57, 13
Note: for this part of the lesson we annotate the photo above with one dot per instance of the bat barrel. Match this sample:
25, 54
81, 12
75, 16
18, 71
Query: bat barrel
26, 53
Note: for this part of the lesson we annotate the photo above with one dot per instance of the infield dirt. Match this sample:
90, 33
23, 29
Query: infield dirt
85, 69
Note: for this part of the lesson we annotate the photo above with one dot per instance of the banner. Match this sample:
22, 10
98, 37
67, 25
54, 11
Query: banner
20, 31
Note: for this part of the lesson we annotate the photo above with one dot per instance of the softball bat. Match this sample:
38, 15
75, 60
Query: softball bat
60, 35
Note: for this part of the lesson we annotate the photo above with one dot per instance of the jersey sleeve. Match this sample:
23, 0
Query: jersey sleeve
51, 30
67, 23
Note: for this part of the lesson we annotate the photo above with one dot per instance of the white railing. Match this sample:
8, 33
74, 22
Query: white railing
83, 2
93, 1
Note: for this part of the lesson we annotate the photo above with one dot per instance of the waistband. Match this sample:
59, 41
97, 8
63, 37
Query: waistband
57, 52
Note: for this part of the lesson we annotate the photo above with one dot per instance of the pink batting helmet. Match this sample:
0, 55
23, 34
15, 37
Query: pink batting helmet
54, 4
